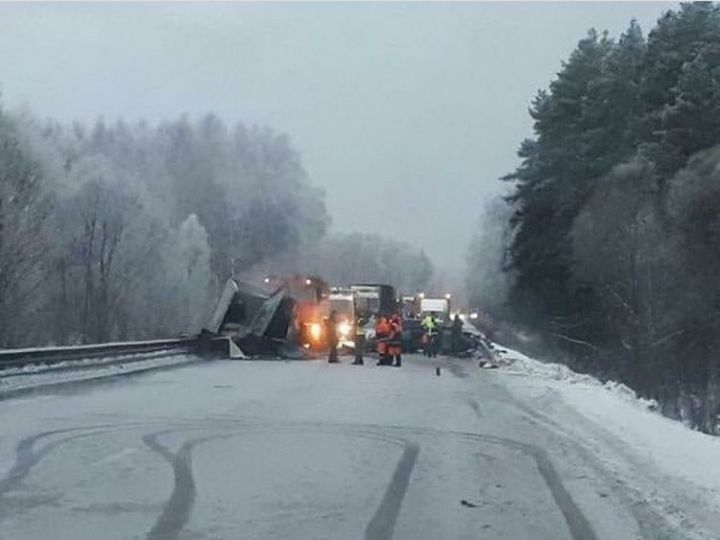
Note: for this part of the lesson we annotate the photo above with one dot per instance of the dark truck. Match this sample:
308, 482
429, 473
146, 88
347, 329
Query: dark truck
374, 299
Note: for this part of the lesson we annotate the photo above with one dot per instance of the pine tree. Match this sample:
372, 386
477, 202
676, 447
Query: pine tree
556, 172
680, 83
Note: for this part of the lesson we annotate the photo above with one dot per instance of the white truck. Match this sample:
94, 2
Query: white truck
439, 306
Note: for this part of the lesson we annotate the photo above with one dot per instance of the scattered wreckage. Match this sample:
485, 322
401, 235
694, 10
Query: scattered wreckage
286, 317
283, 318
247, 321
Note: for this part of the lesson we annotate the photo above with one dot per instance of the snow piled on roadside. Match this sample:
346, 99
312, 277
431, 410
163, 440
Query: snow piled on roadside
82, 363
521, 364
32, 377
673, 446
675, 449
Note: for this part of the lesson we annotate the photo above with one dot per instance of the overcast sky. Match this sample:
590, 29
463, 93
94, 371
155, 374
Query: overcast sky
405, 113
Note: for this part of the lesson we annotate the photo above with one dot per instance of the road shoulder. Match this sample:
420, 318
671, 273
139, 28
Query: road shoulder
667, 471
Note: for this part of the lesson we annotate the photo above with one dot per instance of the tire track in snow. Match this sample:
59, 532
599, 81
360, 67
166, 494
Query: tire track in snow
576, 521
178, 507
653, 524
382, 525
26, 457
578, 525
475, 406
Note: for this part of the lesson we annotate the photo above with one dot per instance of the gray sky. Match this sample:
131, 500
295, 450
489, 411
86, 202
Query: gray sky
405, 113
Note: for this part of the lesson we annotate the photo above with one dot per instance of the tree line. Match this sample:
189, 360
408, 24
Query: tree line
611, 247
129, 230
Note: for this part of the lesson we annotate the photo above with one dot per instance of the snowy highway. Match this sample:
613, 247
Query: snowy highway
275, 449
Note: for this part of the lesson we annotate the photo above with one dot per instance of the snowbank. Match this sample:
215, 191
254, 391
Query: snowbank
14, 381
684, 456
521, 364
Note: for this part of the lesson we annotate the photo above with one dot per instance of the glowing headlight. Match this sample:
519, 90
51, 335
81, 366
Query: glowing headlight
344, 328
473, 315
315, 331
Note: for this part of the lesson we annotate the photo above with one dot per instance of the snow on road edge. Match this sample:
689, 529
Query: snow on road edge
676, 449
525, 365
34, 377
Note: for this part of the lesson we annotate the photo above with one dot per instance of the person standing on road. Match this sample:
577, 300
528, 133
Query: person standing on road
332, 338
382, 331
359, 340
456, 334
429, 323
395, 344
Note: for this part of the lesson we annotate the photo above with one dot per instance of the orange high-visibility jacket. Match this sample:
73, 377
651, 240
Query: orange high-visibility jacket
382, 333
396, 328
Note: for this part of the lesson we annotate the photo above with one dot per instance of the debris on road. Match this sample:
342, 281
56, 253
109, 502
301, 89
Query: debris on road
248, 321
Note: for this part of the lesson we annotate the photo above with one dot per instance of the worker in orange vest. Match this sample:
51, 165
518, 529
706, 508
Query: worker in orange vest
382, 333
395, 343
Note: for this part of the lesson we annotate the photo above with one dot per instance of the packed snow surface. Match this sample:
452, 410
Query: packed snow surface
15, 380
664, 449
268, 449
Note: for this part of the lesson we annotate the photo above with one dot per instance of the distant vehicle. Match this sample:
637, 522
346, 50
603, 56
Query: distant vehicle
411, 306
412, 335
375, 299
439, 306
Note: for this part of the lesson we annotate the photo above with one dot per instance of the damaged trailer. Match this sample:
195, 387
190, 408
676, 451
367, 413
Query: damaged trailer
248, 321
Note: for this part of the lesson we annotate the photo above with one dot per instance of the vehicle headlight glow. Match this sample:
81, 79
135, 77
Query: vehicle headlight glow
315, 331
344, 328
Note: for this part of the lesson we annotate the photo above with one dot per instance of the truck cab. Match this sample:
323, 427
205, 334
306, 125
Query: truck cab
312, 307
374, 299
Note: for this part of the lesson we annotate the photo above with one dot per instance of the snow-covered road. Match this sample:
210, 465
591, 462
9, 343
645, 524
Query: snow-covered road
273, 449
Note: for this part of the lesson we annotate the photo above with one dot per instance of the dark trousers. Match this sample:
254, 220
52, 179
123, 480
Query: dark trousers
456, 339
434, 345
333, 356
359, 349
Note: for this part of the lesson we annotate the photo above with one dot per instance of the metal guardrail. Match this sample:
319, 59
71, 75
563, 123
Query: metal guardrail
14, 358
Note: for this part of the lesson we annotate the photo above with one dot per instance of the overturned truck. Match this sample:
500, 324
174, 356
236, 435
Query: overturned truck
249, 321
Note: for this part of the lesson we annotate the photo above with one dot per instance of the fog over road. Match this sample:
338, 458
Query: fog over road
274, 449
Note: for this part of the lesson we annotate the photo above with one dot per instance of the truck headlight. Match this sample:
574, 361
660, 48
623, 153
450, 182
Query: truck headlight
315, 331
344, 328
